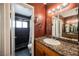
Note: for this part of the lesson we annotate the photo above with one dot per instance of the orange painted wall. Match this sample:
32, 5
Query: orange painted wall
39, 9
45, 27
49, 16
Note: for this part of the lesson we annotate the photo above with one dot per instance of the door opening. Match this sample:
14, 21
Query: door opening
57, 27
22, 29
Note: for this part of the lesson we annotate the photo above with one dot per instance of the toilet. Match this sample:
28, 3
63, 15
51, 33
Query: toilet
30, 47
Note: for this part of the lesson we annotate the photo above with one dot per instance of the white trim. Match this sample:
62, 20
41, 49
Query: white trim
31, 27
57, 26
1, 29
12, 30
6, 30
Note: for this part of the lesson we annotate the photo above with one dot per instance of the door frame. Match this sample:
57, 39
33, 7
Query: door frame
5, 30
12, 41
59, 27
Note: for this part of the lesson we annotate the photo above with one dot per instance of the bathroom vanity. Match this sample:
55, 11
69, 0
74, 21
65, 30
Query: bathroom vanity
64, 49
42, 50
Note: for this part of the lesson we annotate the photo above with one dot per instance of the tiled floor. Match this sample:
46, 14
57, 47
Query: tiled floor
22, 52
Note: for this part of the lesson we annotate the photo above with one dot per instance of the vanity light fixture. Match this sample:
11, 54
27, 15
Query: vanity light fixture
49, 11
39, 19
53, 10
65, 4
62, 6
39, 16
58, 7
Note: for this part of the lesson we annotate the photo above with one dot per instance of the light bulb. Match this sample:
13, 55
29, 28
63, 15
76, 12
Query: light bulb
53, 9
39, 16
58, 7
49, 11
65, 4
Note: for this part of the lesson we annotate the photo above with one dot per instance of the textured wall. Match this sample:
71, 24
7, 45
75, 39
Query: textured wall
45, 26
39, 11
49, 19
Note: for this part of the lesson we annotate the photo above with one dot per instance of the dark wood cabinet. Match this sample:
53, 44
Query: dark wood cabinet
42, 50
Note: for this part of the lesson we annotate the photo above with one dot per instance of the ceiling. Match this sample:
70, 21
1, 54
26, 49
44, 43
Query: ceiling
24, 11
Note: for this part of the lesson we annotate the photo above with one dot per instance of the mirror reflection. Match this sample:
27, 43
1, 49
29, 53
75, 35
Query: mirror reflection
71, 25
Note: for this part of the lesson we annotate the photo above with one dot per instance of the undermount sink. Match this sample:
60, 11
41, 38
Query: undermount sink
51, 41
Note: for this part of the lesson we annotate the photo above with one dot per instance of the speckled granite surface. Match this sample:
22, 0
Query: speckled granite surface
65, 48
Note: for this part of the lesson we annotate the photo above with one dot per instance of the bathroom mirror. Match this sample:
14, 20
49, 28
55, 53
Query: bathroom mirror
71, 25
70, 19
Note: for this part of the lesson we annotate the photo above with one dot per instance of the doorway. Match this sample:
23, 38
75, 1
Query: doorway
22, 29
56, 27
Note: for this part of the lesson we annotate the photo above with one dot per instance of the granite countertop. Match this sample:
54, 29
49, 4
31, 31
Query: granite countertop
65, 48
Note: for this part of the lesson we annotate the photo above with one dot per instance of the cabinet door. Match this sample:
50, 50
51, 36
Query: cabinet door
49, 52
41, 50
38, 49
